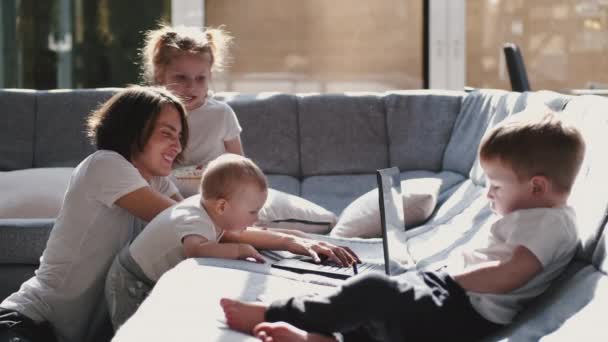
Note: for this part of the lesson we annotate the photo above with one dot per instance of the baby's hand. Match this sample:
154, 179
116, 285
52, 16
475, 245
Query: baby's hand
248, 252
342, 256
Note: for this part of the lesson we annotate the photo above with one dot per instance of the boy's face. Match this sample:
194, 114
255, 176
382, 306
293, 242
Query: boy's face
241, 210
162, 147
187, 76
505, 191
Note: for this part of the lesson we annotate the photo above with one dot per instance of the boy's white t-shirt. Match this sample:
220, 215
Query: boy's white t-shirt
158, 248
88, 232
209, 126
549, 233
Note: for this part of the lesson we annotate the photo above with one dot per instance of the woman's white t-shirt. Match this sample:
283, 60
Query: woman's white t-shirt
88, 232
209, 126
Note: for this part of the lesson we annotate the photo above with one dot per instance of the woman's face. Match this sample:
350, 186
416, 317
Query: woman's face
187, 76
163, 147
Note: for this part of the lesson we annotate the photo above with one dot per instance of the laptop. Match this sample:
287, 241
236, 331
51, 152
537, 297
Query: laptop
391, 222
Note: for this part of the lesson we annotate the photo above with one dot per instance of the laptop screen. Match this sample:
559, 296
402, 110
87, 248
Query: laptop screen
391, 214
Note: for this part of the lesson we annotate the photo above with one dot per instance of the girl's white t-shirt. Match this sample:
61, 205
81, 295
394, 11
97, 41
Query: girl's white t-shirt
209, 126
67, 288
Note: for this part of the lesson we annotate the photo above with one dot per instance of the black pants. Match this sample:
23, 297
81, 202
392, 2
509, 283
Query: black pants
15, 327
415, 306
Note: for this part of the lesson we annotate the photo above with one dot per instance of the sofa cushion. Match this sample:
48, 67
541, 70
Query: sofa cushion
287, 184
60, 125
453, 226
588, 196
17, 129
22, 241
342, 134
599, 254
572, 306
414, 144
511, 104
588, 322
362, 217
12, 276
33, 193
336, 192
283, 210
480, 110
270, 130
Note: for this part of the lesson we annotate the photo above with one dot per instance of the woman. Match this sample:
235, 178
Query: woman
139, 133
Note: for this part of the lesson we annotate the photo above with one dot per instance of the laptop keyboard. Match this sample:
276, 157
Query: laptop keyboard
326, 268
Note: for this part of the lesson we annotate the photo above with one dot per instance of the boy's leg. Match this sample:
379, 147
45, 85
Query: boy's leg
15, 327
372, 297
413, 306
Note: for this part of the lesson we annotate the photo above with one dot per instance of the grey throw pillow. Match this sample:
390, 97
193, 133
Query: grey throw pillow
362, 217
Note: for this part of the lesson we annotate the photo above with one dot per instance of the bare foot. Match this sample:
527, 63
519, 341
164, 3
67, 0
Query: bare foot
281, 331
243, 316
278, 332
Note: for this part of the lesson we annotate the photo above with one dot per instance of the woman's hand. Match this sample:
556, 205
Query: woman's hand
342, 256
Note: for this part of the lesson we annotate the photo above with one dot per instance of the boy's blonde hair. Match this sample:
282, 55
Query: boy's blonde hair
228, 172
544, 146
162, 45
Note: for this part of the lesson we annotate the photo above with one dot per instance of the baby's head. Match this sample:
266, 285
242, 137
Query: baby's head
182, 59
233, 190
531, 162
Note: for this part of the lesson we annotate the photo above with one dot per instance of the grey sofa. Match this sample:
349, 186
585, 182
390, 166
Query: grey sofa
326, 149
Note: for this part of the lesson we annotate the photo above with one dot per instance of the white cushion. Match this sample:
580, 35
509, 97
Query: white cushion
362, 217
33, 193
283, 210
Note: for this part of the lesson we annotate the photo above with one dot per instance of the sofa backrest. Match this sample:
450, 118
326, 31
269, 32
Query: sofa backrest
590, 192
420, 124
46, 128
17, 128
270, 130
323, 134
481, 110
60, 125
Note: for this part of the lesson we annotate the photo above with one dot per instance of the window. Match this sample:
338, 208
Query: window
320, 46
564, 43
74, 43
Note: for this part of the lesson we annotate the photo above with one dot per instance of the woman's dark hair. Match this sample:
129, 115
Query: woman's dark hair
126, 121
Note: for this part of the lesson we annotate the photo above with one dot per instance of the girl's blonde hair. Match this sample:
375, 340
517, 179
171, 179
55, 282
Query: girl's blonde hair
163, 44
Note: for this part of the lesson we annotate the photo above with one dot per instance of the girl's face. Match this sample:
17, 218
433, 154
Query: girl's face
162, 148
187, 76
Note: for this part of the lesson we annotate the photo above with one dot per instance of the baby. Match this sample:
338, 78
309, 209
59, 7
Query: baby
212, 224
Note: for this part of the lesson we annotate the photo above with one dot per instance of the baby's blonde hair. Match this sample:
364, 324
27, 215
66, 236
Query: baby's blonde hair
226, 173
164, 43
544, 146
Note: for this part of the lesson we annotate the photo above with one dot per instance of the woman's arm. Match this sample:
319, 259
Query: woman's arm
234, 145
501, 277
145, 203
